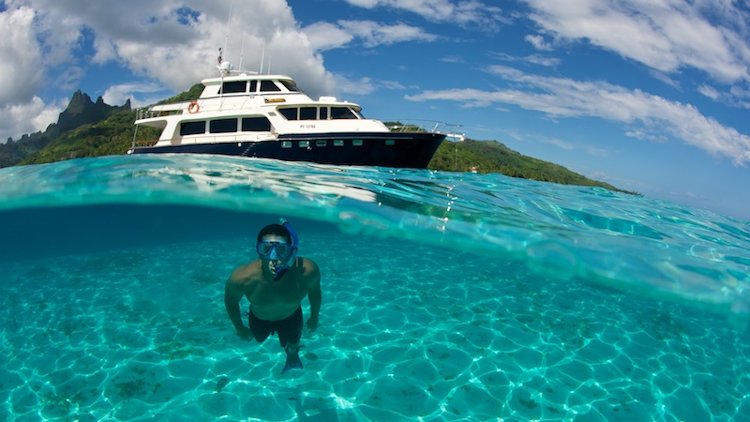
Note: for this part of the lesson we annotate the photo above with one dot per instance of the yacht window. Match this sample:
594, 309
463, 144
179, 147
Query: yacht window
253, 86
308, 113
304, 144
192, 128
290, 85
338, 142
342, 113
223, 126
286, 144
321, 143
357, 142
233, 87
268, 86
289, 113
256, 124
324, 113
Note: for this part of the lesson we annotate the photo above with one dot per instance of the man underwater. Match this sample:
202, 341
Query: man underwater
275, 285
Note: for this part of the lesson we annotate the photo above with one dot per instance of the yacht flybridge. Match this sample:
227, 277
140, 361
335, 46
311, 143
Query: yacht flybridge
260, 115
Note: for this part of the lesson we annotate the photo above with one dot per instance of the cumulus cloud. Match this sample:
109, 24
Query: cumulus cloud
21, 76
172, 42
27, 117
176, 42
665, 36
21, 72
469, 12
649, 116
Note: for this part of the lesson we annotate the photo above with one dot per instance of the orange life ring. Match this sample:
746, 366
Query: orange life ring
193, 107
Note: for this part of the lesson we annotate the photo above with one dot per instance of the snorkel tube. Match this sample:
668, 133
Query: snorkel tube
282, 269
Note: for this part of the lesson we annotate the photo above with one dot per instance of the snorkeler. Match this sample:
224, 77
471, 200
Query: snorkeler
275, 285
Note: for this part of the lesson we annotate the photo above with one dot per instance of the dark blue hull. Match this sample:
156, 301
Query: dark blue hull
409, 150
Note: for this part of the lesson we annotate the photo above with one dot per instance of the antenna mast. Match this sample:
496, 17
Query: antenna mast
262, 57
229, 22
242, 54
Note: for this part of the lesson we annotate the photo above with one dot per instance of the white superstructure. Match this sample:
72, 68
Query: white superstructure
248, 106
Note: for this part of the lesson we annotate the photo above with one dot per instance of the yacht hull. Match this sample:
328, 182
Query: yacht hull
408, 150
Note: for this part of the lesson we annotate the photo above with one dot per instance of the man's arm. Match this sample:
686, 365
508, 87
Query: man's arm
315, 296
232, 297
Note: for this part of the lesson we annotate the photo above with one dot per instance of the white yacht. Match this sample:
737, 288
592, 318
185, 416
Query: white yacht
261, 115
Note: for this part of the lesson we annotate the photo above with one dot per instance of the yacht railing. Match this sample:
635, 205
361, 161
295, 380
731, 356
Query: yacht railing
420, 125
149, 112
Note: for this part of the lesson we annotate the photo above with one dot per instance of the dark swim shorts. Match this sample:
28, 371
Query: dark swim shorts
289, 329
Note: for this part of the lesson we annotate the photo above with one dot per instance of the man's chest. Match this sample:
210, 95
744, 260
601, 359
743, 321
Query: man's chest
268, 295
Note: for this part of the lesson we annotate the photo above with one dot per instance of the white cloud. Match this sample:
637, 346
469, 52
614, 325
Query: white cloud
27, 117
650, 116
665, 79
21, 72
453, 59
709, 92
176, 41
536, 59
21, 75
542, 60
559, 143
326, 36
362, 86
374, 34
172, 42
365, 85
736, 96
394, 85
139, 94
663, 35
465, 13
538, 42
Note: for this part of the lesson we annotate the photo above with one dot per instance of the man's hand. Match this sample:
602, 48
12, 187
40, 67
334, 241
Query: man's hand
312, 323
244, 333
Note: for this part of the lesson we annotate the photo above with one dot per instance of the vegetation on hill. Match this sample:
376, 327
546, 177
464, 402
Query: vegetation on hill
111, 135
494, 157
81, 111
96, 129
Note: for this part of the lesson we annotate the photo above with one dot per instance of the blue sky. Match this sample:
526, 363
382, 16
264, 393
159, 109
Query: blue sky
651, 96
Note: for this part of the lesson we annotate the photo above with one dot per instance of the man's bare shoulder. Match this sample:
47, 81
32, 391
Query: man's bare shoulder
310, 269
246, 274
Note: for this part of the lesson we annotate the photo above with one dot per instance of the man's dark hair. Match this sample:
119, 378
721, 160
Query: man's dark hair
275, 229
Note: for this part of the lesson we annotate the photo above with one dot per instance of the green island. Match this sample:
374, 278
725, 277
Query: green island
92, 129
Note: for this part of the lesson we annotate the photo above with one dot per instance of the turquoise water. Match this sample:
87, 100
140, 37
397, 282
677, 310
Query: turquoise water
445, 297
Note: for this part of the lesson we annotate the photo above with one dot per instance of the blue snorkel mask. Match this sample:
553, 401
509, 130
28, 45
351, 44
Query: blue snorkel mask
282, 252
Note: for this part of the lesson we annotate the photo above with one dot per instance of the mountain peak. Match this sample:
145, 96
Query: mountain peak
81, 110
78, 103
